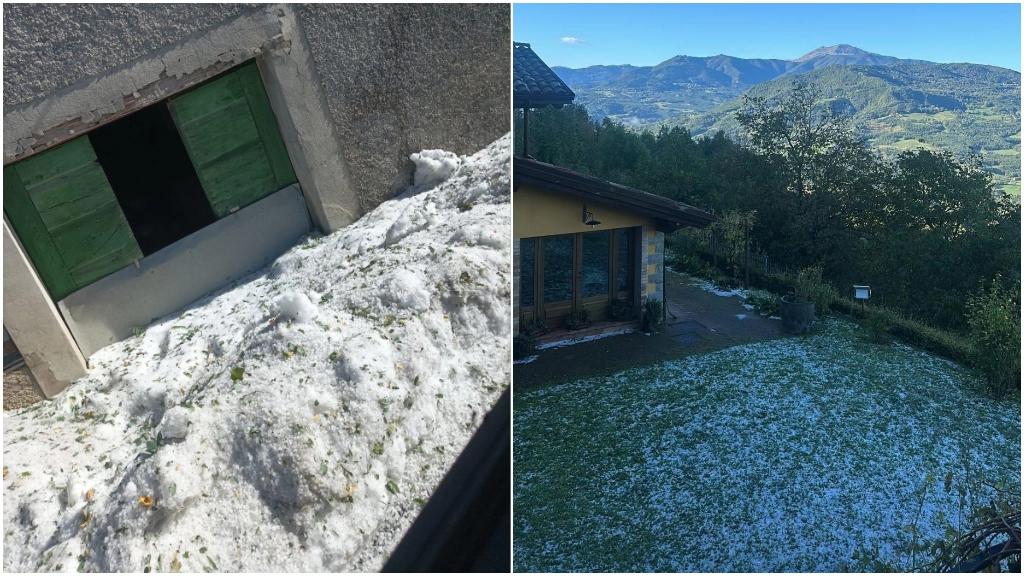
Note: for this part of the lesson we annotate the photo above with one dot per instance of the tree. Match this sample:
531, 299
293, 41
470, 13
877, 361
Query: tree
923, 229
804, 136
994, 321
827, 173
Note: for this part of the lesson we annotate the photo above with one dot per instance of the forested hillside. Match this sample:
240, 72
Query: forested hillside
898, 105
964, 109
925, 229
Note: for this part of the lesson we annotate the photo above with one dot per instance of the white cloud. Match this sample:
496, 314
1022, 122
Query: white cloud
571, 40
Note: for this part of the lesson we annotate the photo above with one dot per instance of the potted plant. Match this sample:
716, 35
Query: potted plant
578, 319
533, 328
621, 310
797, 308
653, 315
523, 345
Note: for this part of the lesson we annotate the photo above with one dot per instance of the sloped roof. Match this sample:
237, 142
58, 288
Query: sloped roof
533, 83
669, 214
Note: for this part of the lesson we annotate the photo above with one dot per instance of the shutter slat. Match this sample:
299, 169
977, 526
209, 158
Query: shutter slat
237, 154
73, 155
32, 233
68, 213
266, 123
73, 199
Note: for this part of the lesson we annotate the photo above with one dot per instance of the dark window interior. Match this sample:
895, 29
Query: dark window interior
527, 277
152, 176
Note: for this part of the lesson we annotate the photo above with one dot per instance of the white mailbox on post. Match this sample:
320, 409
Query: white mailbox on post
861, 292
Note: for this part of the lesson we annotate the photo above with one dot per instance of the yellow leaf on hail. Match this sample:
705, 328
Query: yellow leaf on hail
90, 494
146, 501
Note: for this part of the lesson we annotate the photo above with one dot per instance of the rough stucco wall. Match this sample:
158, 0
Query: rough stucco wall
395, 79
401, 78
48, 47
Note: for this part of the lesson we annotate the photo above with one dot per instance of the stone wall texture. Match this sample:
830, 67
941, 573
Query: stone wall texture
654, 264
394, 79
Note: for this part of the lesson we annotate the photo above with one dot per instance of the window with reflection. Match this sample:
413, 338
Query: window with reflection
595, 264
527, 270
623, 267
558, 258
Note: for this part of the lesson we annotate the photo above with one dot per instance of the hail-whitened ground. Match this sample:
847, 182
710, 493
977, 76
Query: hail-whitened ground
295, 421
709, 286
789, 455
573, 340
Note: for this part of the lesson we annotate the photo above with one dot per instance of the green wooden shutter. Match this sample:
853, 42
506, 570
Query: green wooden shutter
66, 215
232, 138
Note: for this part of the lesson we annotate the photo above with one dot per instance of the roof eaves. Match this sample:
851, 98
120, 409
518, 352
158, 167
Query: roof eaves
669, 213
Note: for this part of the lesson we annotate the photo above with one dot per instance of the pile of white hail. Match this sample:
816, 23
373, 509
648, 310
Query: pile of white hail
295, 421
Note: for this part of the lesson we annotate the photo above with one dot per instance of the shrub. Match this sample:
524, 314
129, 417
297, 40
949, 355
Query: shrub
678, 261
935, 340
993, 318
688, 263
989, 519
653, 314
809, 287
987, 543
523, 345
878, 328
578, 319
909, 330
763, 301
533, 327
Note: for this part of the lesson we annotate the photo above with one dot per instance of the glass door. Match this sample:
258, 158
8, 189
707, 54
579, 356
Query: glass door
594, 269
586, 271
528, 283
624, 265
557, 284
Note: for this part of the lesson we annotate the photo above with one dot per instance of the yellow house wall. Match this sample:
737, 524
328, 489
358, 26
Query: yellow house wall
539, 212
542, 213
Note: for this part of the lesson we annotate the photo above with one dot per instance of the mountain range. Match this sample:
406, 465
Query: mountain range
897, 104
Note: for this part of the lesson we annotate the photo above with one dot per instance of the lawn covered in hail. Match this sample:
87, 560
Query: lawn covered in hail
296, 421
787, 455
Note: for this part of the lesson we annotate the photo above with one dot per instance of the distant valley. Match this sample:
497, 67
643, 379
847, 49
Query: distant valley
898, 104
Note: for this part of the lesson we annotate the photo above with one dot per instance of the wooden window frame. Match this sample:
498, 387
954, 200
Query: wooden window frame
596, 306
59, 277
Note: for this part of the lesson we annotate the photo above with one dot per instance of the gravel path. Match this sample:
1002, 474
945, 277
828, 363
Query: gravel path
19, 389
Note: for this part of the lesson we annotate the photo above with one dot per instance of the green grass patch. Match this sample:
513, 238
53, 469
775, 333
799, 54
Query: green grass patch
796, 454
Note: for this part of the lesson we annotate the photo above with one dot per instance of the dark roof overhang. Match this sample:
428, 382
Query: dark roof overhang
669, 214
534, 85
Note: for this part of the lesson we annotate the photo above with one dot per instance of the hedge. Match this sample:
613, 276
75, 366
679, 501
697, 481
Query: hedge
941, 342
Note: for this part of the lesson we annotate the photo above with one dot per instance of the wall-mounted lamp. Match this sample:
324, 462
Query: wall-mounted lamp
588, 217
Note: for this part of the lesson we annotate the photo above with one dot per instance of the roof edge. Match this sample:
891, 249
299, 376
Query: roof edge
668, 213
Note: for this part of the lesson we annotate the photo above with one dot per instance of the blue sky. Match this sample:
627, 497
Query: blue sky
578, 35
